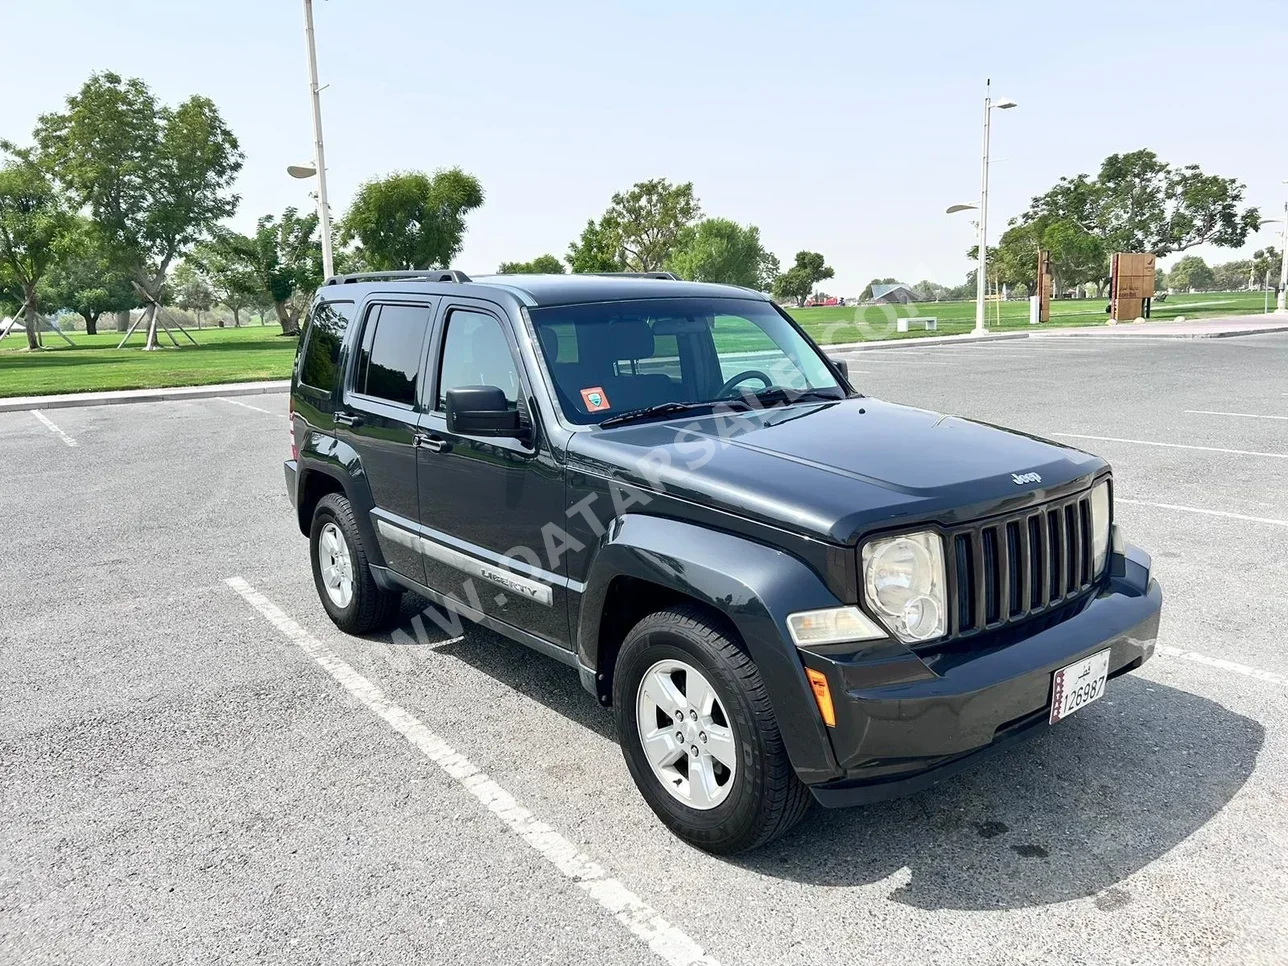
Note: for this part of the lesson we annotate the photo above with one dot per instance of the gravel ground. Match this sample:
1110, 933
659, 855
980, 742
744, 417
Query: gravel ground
181, 782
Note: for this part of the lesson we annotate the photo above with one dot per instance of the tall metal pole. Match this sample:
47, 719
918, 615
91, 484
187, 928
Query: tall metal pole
981, 283
319, 155
1280, 305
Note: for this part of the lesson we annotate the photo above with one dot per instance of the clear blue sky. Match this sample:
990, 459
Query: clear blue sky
845, 128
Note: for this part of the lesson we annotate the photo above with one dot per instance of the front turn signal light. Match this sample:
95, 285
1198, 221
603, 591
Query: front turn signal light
822, 696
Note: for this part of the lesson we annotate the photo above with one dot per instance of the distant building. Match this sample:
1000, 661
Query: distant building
897, 294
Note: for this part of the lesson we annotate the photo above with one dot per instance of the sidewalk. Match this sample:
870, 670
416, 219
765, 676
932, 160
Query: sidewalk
1215, 328
71, 400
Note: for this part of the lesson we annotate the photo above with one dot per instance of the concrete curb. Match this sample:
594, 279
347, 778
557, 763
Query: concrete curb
924, 342
76, 400
1234, 334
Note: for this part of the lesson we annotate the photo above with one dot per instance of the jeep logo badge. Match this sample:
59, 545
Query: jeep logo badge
1022, 478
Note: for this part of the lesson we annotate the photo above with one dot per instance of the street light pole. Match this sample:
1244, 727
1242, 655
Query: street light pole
1280, 305
981, 276
319, 155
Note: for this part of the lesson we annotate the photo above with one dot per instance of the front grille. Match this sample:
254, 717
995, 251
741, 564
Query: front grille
1009, 568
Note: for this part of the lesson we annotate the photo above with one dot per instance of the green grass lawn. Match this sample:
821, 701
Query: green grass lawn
248, 354
252, 353
834, 324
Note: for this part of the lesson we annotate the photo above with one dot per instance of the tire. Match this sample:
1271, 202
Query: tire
761, 798
367, 606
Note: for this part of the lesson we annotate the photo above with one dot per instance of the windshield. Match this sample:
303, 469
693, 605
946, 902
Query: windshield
609, 358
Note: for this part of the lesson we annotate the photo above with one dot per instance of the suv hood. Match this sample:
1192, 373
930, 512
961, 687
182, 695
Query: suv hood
836, 469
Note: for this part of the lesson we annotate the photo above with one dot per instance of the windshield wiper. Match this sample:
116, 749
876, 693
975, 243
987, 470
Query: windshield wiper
780, 394
660, 409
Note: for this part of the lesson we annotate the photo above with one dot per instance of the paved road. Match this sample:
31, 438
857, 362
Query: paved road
193, 774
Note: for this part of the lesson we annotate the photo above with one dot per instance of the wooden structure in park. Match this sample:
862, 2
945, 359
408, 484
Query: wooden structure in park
1044, 286
1131, 286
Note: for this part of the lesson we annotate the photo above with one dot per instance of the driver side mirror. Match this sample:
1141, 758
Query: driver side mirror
481, 411
842, 365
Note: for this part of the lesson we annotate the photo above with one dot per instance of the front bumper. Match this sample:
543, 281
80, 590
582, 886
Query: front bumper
904, 722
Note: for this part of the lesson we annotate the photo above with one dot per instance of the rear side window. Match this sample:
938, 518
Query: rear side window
320, 361
389, 359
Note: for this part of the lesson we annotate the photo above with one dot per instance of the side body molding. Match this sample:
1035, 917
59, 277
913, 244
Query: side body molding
756, 586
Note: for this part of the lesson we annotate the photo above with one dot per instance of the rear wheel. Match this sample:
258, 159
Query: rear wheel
699, 735
342, 573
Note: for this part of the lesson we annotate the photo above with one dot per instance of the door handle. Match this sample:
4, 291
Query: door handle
348, 419
425, 441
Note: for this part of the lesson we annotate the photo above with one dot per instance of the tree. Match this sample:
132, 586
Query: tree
595, 251
1139, 203
1232, 276
720, 250
35, 224
410, 219
1191, 273
155, 179
770, 269
285, 255
813, 263
648, 221
84, 280
799, 280
541, 265
930, 291
228, 269
191, 292
794, 283
1267, 261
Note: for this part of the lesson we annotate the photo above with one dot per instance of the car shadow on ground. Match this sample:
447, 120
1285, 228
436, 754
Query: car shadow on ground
519, 668
1067, 815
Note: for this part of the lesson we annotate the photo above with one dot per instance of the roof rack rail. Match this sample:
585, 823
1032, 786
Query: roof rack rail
668, 276
426, 275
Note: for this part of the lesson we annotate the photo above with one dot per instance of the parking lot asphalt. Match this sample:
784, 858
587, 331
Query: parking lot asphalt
190, 772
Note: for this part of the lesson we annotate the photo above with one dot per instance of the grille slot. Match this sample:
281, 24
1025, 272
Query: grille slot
1009, 569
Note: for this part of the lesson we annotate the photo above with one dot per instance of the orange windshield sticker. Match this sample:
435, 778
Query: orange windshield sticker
594, 399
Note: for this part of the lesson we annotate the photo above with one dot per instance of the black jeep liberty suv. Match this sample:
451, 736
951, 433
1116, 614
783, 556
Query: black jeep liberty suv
786, 591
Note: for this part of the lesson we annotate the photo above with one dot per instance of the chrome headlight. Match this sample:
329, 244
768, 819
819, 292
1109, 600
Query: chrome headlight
903, 582
1099, 527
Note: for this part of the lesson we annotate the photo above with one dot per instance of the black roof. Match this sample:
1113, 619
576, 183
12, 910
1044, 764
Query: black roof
540, 290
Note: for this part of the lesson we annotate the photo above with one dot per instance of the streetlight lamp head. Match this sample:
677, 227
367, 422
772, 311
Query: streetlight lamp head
953, 209
1005, 104
301, 170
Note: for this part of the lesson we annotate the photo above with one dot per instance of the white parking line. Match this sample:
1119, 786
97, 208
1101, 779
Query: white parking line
247, 406
1211, 513
1213, 412
668, 942
1150, 442
1270, 677
53, 428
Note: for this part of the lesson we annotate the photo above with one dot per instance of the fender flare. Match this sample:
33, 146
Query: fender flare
330, 457
754, 586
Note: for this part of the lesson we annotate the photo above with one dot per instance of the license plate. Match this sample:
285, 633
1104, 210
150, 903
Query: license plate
1077, 685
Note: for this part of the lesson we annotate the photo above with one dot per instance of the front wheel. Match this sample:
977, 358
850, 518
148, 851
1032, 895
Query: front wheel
699, 735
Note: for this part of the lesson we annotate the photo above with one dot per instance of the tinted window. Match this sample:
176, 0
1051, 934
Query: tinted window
476, 353
636, 354
390, 357
321, 357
